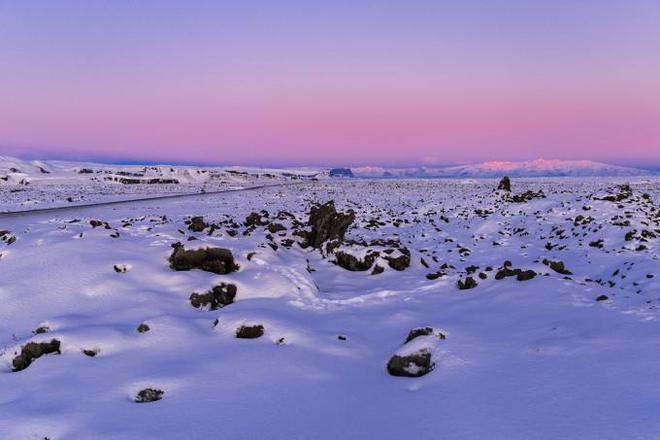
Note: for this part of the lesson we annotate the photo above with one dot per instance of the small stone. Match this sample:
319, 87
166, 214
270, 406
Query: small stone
149, 395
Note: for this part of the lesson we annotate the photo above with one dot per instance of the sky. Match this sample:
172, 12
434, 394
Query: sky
337, 82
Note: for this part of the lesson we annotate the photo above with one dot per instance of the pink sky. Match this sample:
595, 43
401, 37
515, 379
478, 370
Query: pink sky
390, 85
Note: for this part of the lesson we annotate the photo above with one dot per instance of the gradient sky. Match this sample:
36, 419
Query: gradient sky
337, 82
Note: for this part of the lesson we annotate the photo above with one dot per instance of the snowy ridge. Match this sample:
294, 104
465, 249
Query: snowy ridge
40, 184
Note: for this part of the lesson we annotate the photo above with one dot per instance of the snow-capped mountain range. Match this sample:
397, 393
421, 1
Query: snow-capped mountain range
533, 168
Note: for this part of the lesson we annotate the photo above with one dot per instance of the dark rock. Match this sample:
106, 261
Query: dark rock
435, 275
149, 395
215, 298
32, 351
527, 196
143, 328
90, 353
422, 331
274, 228
377, 270
402, 262
216, 260
468, 283
505, 184
256, 219
557, 266
250, 331
197, 224
597, 244
41, 330
411, 365
602, 298
352, 263
328, 224
525, 275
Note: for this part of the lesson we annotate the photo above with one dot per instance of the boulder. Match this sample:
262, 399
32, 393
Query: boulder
505, 184
197, 224
32, 351
353, 263
467, 283
250, 331
216, 298
557, 266
216, 260
328, 224
414, 364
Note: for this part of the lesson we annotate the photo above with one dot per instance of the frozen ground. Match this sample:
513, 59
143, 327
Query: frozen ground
532, 359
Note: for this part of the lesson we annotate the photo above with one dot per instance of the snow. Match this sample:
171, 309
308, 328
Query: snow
535, 359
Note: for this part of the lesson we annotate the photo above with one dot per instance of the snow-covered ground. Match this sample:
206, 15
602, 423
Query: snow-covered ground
539, 358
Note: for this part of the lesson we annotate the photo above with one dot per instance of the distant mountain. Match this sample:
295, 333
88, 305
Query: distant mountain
341, 172
533, 168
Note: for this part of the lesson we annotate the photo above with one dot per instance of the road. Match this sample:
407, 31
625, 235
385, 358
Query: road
61, 209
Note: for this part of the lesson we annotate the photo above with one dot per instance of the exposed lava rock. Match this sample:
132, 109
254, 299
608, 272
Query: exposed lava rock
32, 351
327, 224
215, 298
216, 260
250, 331
256, 219
625, 192
197, 224
468, 283
274, 228
353, 263
422, 331
525, 275
401, 262
143, 328
149, 395
411, 365
602, 298
527, 196
505, 184
7, 237
557, 266
41, 330
377, 270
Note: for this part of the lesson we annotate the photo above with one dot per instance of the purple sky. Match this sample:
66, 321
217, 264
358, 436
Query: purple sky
331, 82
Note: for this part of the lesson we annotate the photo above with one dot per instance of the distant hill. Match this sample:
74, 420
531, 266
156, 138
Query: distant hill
533, 168
25, 172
